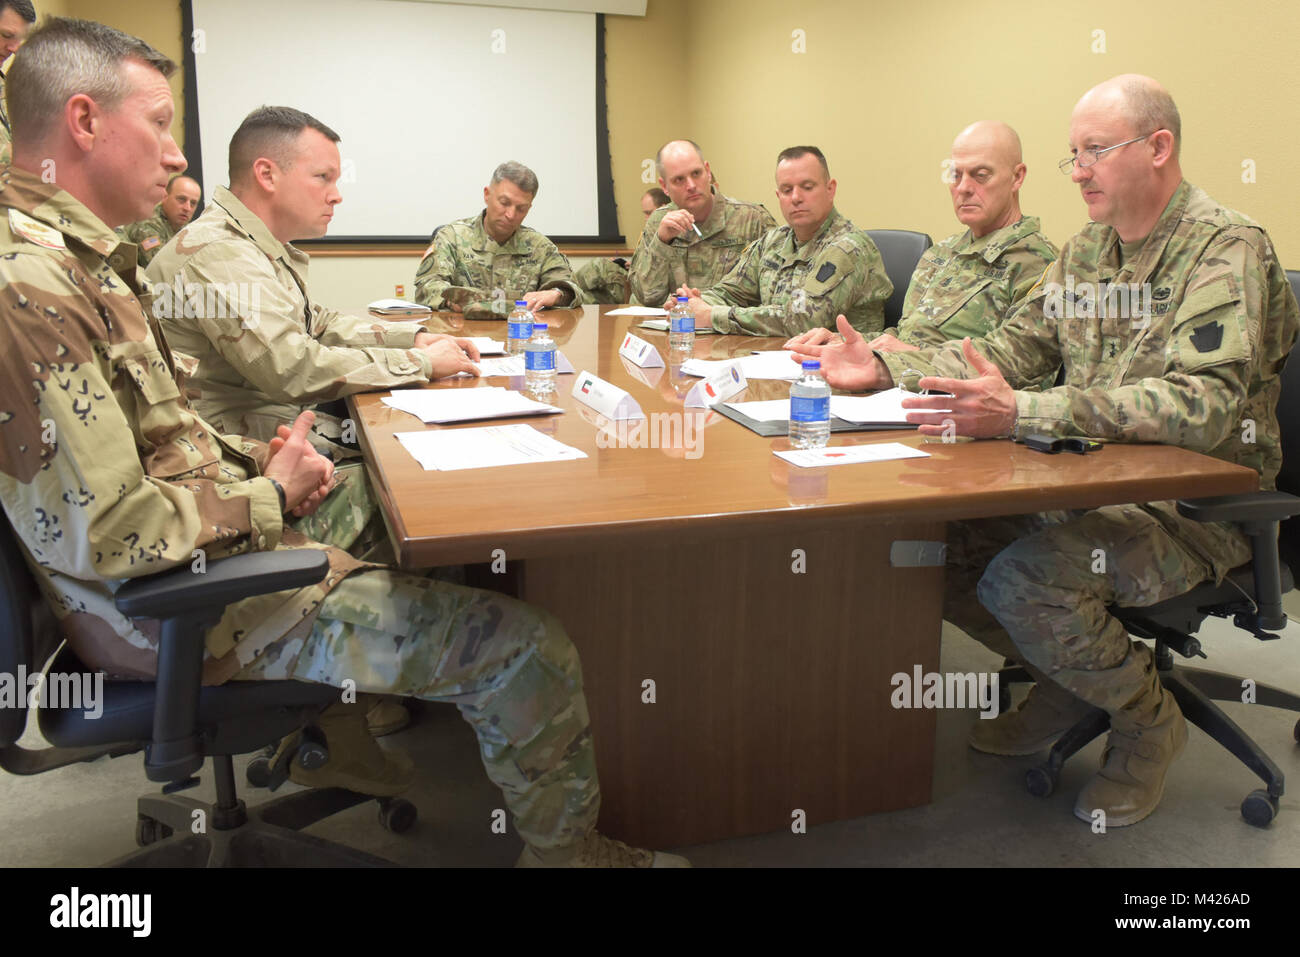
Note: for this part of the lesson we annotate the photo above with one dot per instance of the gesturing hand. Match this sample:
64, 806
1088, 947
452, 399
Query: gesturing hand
849, 364
983, 407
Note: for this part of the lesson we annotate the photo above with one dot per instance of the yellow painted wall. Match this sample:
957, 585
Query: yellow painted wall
886, 84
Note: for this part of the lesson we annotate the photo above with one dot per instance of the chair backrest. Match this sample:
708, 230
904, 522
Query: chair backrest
17, 592
901, 250
1288, 420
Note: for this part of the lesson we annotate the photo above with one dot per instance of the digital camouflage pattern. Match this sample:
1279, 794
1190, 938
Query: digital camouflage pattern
603, 281
779, 288
659, 268
235, 298
1200, 372
965, 286
466, 267
106, 473
149, 234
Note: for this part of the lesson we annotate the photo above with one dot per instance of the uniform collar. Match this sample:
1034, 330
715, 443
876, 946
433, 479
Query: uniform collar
47, 203
992, 246
793, 251
484, 243
717, 220
1154, 248
251, 225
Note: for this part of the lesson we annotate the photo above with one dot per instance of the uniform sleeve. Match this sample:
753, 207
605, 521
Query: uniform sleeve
1209, 363
555, 273
332, 328
651, 272
263, 338
70, 470
438, 278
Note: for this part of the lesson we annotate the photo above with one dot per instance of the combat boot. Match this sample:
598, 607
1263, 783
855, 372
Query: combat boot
387, 716
1046, 714
356, 761
597, 850
1146, 735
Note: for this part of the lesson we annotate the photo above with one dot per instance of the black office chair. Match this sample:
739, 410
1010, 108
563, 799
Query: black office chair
901, 250
1251, 595
178, 723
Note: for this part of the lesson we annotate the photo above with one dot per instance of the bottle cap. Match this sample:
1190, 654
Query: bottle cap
811, 365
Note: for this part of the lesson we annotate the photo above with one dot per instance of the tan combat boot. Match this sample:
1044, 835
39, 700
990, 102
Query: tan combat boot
1146, 735
1046, 714
597, 850
356, 761
387, 716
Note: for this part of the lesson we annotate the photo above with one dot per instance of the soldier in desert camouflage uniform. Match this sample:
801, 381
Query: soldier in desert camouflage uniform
107, 473
671, 253
169, 216
801, 275
1196, 365
16, 17
480, 265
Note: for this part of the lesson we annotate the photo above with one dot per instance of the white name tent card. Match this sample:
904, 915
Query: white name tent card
605, 397
649, 377
760, 365
641, 353
722, 384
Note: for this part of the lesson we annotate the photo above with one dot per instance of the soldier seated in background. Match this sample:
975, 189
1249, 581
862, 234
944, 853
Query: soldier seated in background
606, 281
481, 265
169, 217
803, 274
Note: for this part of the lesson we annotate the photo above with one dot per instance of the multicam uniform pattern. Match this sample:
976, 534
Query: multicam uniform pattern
659, 268
149, 234
1201, 372
466, 267
107, 473
603, 281
235, 298
782, 288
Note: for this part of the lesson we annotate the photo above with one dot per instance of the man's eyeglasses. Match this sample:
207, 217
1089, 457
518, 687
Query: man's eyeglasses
1086, 158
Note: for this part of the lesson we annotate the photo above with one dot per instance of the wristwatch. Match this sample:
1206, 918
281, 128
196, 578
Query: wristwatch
279, 490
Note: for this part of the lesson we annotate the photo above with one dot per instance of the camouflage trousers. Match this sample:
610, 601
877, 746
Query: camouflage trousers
1036, 588
349, 518
509, 667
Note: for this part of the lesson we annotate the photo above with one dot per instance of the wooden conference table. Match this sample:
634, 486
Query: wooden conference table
759, 598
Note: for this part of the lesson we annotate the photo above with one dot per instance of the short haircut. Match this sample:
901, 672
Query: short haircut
271, 132
1151, 108
516, 173
658, 195
23, 8
63, 58
659, 156
797, 152
172, 182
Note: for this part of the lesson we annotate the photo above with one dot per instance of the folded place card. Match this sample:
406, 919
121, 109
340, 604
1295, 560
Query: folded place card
605, 397
719, 386
650, 377
641, 353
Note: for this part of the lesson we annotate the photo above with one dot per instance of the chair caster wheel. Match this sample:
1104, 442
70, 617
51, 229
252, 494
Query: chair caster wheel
312, 756
1259, 808
258, 773
1041, 781
148, 831
397, 815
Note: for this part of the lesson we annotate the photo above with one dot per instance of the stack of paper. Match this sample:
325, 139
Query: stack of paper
778, 364
398, 307
880, 408
488, 447
463, 405
487, 346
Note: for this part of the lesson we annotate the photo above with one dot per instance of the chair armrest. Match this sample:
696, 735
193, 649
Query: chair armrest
182, 591
1250, 507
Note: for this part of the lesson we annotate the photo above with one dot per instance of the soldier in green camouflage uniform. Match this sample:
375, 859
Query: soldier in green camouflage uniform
107, 473
172, 214
800, 276
482, 264
1196, 365
603, 281
16, 17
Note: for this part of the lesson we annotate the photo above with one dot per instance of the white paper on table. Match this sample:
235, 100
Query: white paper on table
639, 352
638, 311
765, 410
487, 346
463, 405
494, 445
722, 384
659, 325
514, 365
397, 307
762, 365
605, 397
850, 454
883, 408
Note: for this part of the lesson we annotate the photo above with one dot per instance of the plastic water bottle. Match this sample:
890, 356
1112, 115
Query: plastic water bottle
810, 408
539, 361
681, 326
519, 328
